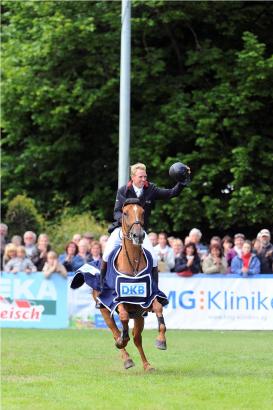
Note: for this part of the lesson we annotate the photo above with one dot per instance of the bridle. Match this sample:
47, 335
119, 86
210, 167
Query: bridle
130, 235
129, 232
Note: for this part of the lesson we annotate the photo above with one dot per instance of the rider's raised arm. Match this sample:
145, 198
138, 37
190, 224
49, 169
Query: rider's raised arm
164, 193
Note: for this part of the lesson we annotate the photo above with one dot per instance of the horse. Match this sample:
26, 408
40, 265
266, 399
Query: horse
130, 272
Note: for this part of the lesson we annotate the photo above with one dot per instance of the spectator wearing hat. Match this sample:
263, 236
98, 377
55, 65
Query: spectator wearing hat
246, 264
239, 239
215, 262
265, 254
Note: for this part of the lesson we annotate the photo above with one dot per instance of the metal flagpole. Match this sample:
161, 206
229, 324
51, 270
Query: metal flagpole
125, 90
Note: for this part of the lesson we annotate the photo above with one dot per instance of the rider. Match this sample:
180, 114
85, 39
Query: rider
147, 193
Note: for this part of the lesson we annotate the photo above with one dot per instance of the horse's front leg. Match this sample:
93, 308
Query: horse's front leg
110, 322
124, 338
137, 333
160, 342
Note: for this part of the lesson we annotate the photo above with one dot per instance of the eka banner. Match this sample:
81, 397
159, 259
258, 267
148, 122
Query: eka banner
31, 301
217, 302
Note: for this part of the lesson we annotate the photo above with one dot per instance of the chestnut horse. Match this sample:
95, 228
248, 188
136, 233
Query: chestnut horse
132, 270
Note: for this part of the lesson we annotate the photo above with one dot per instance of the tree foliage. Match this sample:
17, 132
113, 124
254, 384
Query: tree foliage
61, 231
202, 75
22, 216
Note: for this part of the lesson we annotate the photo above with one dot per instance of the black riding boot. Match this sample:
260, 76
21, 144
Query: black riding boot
103, 270
155, 274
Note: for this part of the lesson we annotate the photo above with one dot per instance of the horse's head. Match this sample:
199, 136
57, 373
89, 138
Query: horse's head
132, 221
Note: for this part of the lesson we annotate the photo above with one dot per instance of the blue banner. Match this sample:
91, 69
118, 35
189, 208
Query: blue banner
31, 301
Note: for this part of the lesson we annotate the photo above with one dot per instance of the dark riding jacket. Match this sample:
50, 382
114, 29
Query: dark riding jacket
147, 199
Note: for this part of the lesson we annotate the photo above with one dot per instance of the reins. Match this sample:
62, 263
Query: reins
129, 237
134, 269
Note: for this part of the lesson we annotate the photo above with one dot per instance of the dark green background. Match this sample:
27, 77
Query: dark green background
202, 80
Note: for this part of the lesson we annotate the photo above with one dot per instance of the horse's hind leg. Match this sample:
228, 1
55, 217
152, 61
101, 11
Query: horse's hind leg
160, 342
137, 333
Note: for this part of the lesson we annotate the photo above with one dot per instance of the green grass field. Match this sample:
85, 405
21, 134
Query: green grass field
72, 369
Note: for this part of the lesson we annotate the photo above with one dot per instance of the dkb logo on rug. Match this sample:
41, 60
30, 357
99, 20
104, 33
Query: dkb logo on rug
133, 290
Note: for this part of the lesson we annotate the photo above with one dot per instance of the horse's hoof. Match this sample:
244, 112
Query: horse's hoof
161, 344
128, 363
122, 343
149, 369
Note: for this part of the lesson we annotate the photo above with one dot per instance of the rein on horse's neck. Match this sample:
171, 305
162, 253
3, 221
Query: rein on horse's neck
131, 258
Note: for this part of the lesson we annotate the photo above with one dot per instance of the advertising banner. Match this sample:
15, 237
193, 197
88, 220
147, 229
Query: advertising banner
81, 309
217, 302
31, 301
226, 302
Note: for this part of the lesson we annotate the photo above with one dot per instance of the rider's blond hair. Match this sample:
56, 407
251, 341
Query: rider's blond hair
137, 166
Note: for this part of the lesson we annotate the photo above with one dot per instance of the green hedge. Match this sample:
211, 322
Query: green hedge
22, 216
62, 232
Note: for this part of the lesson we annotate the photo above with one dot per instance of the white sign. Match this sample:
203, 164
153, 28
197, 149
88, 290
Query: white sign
217, 302
202, 301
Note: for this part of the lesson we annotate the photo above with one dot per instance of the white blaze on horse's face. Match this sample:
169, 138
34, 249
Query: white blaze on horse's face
135, 209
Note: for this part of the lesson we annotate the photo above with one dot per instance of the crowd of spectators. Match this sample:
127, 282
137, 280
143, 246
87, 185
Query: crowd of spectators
227, 255
186, 257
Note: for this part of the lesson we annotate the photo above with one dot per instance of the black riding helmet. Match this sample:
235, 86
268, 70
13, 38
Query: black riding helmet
179, 172
133, 201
